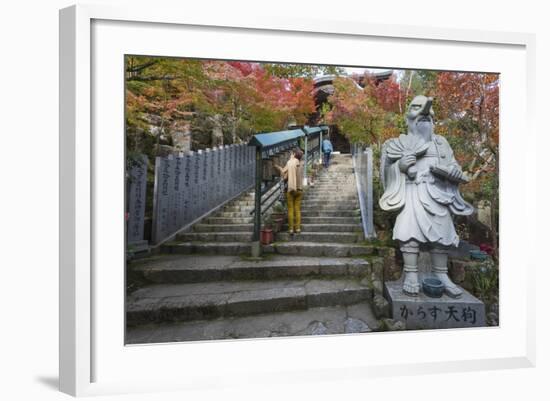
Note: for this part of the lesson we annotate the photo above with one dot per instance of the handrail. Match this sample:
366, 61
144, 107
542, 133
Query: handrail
275, 188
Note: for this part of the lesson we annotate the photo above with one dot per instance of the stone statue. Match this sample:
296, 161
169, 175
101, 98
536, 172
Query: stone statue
420, 177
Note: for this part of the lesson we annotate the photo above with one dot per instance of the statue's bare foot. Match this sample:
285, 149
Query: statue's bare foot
410, 284
451, 289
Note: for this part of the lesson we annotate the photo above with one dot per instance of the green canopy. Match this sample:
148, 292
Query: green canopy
269, 140
272, 139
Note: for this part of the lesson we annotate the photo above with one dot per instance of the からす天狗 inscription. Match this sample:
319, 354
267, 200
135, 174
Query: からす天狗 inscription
423, 312
464, 314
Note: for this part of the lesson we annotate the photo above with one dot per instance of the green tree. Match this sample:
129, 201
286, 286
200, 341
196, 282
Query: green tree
301, 70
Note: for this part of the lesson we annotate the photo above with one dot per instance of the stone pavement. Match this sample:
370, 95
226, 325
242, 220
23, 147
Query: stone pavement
357, 318
322, 281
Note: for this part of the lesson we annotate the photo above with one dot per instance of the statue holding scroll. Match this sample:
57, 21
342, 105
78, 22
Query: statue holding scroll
421, 178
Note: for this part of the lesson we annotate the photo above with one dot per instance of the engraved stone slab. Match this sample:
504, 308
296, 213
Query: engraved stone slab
195, 189
170, 167
251, 162
423, 312
136, 200
187, 199
231, 173
161, 199
203, 179
211, 178
240, 169
176, 211
224, 174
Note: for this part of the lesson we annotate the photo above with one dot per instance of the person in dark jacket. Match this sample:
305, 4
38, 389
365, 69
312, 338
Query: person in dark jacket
326, 147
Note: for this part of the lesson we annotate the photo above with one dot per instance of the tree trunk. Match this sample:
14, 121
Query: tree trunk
408, 87
233, 126
494, 215
217, 133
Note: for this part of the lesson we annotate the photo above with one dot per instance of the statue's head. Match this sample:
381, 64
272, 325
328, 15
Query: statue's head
420, 115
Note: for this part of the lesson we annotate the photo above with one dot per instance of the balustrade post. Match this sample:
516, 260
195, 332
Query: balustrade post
256, 248
305, 155
369, 191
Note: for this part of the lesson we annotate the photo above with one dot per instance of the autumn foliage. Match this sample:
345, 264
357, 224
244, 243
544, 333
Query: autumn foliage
368, 114
241, 98
466, 113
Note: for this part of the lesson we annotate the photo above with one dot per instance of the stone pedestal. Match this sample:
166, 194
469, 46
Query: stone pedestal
423, 312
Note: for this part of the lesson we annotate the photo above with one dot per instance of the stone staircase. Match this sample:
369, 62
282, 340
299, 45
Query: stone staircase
226, 232
331, 218
204, 285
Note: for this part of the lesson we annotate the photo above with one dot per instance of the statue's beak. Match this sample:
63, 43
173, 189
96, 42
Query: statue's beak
427, 106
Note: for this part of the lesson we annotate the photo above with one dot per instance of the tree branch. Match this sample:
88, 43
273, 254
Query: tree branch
138, 68
152, 78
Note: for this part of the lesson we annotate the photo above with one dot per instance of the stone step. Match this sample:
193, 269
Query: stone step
333, 197
325, 200
222, 224
333, 188
331, 220
331, 213
300, 248
329, 228
223, 227
344, 179
236, 236
233, 214
252, 195
318, 205
355, 318
338, 185
348, 176
228, 220
336, 179
187, 302
319, 249
337, 170
312, 193
238, 208
334, 183
338, 176
339, 237
181, 269
340, 191
244, 203
208, 248
315, 192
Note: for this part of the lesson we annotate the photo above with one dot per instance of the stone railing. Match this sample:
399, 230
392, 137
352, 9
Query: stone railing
362, 166
190, 186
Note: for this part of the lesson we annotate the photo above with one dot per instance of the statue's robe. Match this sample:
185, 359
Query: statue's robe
426, 201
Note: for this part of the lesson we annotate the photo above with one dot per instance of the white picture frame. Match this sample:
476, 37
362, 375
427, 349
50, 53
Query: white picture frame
95, 361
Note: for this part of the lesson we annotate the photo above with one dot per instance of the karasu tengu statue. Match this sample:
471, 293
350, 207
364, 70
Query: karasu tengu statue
420, 177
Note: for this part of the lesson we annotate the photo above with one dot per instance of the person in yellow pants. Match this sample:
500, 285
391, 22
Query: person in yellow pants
293, 174
294, 204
